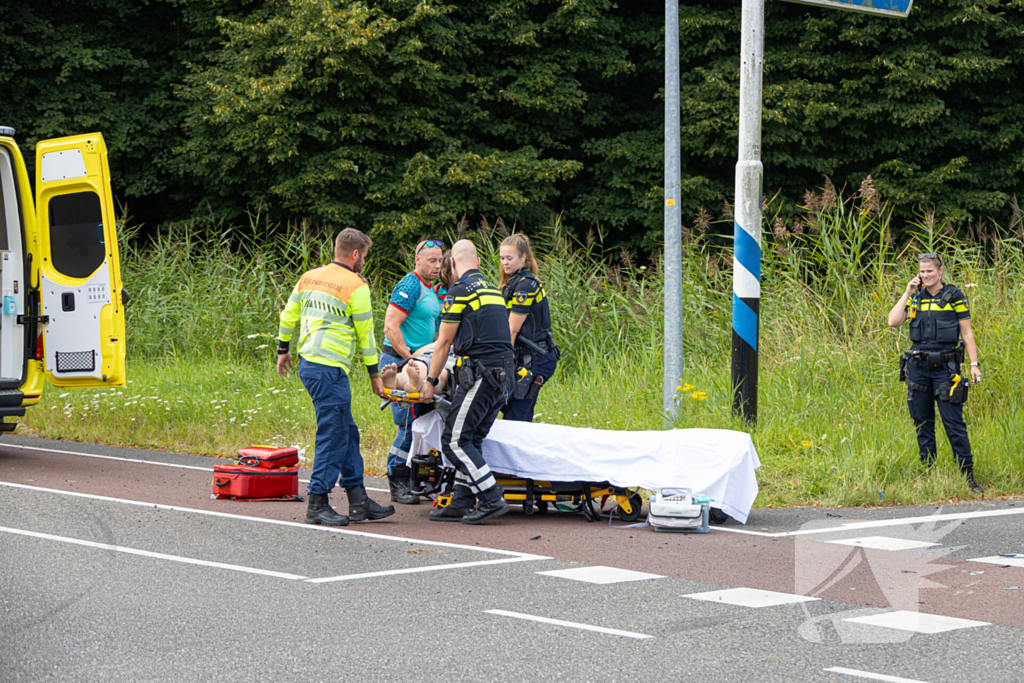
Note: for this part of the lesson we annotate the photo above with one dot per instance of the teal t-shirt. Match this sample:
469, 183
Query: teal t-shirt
419, 302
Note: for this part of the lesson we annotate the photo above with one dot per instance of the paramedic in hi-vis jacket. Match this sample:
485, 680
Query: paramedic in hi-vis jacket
331, 304
474, 323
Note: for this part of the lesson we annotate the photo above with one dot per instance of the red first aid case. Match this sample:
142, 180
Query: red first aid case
270, 457
239, 482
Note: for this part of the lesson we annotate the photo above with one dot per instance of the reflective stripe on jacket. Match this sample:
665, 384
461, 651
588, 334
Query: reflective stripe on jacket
332, 306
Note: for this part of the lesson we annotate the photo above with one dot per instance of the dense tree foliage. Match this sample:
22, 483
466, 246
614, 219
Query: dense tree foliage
405, 114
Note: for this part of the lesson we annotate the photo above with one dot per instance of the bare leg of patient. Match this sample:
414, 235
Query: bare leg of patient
411, 377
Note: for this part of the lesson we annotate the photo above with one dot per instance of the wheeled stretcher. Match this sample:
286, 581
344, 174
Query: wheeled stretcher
432, 478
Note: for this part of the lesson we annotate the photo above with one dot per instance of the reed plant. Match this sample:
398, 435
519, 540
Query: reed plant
832, 429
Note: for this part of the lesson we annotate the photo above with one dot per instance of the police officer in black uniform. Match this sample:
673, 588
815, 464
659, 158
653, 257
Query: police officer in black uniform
474, 324
939, 319
530, 326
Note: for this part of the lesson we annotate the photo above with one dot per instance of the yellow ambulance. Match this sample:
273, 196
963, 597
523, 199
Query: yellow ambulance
62, 310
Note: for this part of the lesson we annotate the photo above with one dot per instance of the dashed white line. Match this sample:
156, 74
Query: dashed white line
568, 624
871, 676
147, 553
917, 622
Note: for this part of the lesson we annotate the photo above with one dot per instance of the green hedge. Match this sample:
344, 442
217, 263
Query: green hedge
405, 114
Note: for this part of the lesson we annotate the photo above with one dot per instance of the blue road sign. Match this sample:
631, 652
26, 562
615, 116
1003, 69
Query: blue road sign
892, 8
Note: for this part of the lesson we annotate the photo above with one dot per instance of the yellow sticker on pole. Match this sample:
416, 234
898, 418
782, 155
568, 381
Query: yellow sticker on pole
670, 202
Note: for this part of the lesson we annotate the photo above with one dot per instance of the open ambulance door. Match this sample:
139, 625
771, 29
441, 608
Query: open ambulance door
79, 274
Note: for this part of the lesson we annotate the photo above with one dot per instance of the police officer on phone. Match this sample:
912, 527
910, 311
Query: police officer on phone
939, 319
474, 323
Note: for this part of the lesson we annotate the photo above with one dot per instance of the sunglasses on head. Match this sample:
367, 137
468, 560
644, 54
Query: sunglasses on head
430, 243
930, 255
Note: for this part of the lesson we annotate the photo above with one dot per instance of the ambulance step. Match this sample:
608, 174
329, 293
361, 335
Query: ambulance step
11, 397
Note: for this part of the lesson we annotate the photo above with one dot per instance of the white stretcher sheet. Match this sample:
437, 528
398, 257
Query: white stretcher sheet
717, 463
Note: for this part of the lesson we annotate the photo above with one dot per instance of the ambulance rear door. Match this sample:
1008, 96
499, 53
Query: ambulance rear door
80, 278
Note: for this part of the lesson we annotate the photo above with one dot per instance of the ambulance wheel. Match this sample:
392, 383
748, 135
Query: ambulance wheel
637, 504
716, 516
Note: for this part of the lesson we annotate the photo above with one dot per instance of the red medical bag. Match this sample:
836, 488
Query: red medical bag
239, 482
270, 457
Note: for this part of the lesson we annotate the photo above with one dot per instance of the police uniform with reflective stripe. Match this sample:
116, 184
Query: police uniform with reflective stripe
536, 353
932, 368
483, 377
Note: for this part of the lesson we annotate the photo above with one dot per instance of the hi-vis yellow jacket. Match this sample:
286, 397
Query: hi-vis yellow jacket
332, 305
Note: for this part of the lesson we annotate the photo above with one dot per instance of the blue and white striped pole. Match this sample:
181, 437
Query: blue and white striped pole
746, 278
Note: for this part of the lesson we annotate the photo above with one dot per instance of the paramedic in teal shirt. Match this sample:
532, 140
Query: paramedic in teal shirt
410, 323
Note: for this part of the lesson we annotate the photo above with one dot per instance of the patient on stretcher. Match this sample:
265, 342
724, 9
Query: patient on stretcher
413, 375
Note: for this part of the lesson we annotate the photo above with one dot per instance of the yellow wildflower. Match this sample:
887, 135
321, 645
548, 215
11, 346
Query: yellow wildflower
805, 444
699, 395
686, 387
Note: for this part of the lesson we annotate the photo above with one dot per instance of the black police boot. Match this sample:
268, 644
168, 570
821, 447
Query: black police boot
398, 482
319, 511
494, 507
452, 513
362, 507
969, 476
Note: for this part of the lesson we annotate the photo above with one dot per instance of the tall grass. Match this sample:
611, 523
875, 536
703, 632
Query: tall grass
832, 427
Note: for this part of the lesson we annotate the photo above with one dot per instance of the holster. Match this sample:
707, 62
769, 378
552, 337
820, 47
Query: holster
955, 390
903, 367
524, 381
465, 373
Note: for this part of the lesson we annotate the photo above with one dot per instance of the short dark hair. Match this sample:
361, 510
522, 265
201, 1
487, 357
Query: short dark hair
351, 239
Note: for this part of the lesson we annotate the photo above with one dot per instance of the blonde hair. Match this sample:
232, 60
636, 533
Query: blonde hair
522, 245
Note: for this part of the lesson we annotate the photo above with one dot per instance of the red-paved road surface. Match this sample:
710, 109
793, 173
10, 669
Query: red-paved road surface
721, 557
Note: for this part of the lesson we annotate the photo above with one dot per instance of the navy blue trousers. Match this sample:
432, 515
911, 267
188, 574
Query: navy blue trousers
337, 436
922, 411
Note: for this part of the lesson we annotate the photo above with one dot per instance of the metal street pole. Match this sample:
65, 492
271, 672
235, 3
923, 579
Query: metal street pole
673, 352
746, 282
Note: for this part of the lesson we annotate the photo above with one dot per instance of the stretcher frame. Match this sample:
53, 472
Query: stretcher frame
430, 478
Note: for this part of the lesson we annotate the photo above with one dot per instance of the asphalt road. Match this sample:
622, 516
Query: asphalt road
121, 568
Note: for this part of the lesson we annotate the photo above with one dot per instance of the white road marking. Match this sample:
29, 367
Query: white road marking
600, 575
883, 543
262, 520
147, 553
1015, 561
918, 622
853, 526
417, 570
568, 624
871, 676
750, 597
142, 462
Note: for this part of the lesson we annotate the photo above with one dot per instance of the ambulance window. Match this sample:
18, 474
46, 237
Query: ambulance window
76, 245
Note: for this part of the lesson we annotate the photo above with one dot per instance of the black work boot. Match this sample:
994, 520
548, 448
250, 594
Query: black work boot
452, 513
398, 482
494, 507
319, 511
969, 476
362, 507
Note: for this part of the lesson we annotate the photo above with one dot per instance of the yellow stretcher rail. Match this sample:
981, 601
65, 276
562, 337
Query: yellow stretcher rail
401, 395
